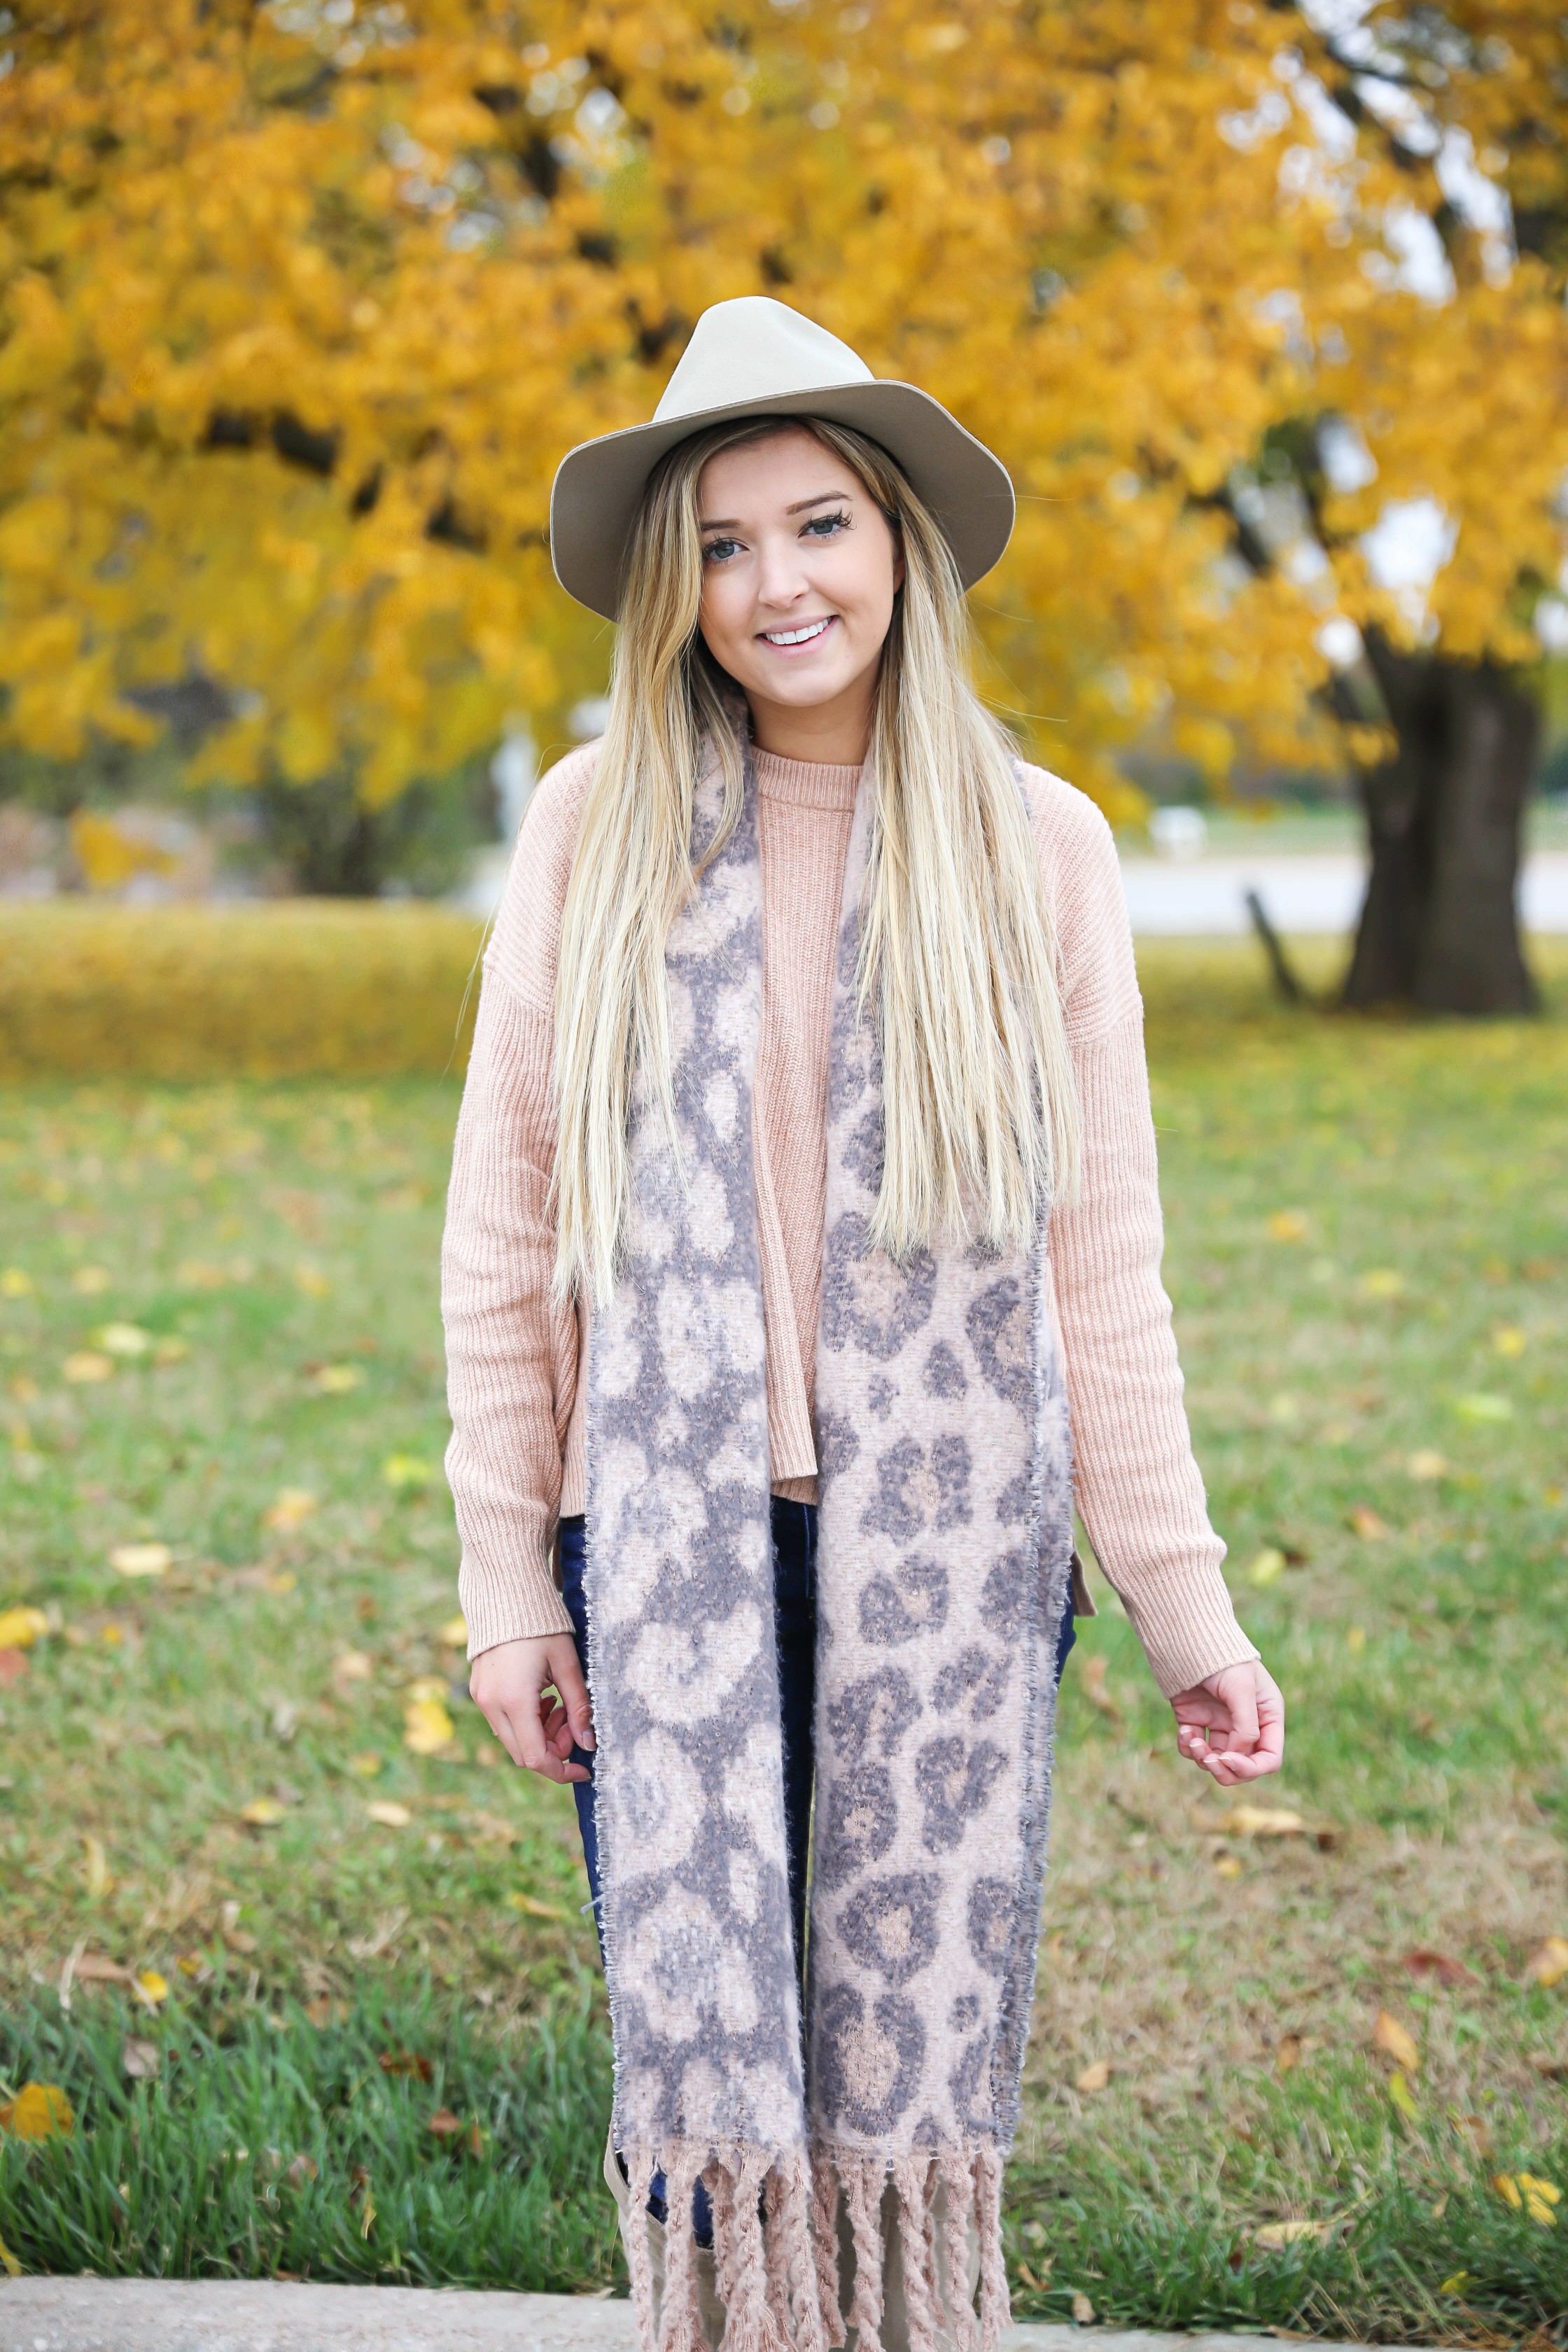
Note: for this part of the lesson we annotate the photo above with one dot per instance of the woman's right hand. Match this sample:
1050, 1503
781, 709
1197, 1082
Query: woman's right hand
532, 1695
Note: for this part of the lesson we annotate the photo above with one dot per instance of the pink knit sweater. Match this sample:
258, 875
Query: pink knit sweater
516, 1363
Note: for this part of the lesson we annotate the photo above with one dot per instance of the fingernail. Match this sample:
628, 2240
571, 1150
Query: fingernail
586, 1741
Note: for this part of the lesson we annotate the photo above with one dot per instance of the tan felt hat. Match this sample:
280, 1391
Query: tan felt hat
755, 357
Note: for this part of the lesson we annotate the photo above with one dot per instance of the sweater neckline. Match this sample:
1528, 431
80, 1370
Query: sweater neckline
803, 783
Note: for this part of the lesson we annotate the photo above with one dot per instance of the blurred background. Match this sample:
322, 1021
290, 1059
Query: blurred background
300, 303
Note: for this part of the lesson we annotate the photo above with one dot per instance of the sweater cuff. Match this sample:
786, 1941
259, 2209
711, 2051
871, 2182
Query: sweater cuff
526, 1608
1189, 1631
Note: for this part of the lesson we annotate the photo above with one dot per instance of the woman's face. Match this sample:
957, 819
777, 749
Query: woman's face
799, 571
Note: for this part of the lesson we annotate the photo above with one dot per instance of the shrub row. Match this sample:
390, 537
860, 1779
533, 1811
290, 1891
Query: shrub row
316, 988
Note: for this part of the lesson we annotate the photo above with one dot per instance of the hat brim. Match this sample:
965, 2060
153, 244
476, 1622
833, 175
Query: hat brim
599, 485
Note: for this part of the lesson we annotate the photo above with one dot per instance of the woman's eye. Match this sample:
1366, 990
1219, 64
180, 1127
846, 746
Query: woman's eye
820, 525
719, 550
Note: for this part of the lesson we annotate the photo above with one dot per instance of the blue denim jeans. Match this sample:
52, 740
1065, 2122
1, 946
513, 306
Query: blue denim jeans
794, 1625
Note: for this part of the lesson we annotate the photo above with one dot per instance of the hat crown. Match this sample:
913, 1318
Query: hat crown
755, 349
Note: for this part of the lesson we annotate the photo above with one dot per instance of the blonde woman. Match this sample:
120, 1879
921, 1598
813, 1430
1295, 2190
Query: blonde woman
802, 1267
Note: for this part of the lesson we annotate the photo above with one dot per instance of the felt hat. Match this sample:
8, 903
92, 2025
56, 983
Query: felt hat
757, 357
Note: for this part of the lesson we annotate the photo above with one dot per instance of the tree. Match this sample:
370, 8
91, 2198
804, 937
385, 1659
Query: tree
302, 302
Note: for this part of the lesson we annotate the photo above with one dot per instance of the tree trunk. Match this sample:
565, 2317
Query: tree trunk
1440, 926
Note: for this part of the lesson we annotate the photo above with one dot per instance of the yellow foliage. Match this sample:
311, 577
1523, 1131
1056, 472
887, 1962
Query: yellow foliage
39, 2111
283, 383
307, 988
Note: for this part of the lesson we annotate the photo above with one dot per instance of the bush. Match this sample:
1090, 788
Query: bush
308, 988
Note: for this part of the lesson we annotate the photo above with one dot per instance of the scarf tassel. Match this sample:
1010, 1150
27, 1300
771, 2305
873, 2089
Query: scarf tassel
776, 2239
935, 2255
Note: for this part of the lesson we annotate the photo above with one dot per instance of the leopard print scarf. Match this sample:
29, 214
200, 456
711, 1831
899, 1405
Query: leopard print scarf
943, 1559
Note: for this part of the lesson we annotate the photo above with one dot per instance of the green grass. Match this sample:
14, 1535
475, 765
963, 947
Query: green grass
273, 1230
268, 2145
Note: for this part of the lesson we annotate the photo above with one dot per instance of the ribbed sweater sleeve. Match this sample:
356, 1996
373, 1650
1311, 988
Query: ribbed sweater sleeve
511, 1351
1138, 1487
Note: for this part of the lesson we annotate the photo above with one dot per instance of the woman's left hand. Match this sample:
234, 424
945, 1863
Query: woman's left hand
1233, 1725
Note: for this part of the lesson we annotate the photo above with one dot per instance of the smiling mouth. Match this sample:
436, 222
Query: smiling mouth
801, 637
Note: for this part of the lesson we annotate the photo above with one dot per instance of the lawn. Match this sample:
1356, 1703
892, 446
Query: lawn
221, 1367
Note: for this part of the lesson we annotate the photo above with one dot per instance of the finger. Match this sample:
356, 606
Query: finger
1239, 1690
501, 1727
573, 1693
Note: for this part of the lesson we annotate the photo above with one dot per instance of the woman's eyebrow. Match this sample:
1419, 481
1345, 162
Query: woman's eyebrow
733, 522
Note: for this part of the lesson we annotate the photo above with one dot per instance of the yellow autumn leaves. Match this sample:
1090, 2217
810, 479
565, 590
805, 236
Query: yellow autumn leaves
976, 202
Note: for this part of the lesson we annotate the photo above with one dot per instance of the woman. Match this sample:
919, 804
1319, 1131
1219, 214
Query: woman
808, 1073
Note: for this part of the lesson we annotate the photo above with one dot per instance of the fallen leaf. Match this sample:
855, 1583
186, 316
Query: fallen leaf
1509, 1340
1267, 1568
97, 1968
88, 1364
370, 1948
312, 1281
20, 1628
1273, 2236
13, 1666
1527, 2192
153, 1988
91, 1279
351, 1667
285, 1721
1548, 1964
141, 2060
1082, 2309
1094, 2076
405, 1472
126, 1340
1474, 2128
1554, 2069
1227, 1866
1099, 1696
1382, 1282
303, 2169
367, 2215
1256, 1820
293, 1506
427, 1725
95, 1869
8, 2263
1403, 2097
336, 1379
1456, 2282
323, 2012
39, 2111
476, 2139
406, 2062
390, 1815
534, 1908
1481, 1407
1287, 2053
1289, 1225
1423, 1963
171, 1351
445, 2123
1355, 1640
196, 1274
365, 1765
16, 1284
142, 1559
262, 1813
1364, 1522
454, 1633
1395, 2042
1428, 1465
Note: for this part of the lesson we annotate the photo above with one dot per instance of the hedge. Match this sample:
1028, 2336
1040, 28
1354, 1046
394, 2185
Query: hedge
311, 987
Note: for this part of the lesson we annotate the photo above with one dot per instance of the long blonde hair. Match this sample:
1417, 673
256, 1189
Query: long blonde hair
956, 965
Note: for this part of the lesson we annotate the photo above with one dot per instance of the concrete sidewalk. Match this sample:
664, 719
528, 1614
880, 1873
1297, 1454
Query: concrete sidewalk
91, 2315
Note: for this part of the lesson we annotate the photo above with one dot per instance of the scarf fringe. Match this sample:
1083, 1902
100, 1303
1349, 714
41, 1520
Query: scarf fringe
776, 2248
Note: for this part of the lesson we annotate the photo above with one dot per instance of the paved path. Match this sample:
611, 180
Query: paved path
76, 2315
1311, 890
1316, 891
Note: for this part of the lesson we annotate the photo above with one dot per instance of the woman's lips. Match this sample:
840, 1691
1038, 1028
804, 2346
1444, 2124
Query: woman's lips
802, 639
